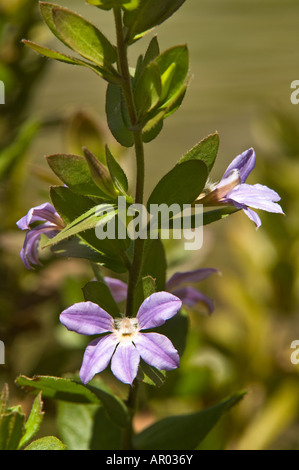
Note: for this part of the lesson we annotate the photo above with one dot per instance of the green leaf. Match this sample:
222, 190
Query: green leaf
96, 431
71, 391
77, 248
150, 375
46, 12
12, 423
83, 37
73, 170
145, 287
153, 127
99, 293
181, 185
149, 14
33, 422
206, 150
147, 89
154, 250
115, 118
46, 443
96, 216
51, 54
100, 174
184, 432
117, 174
70, 205
173, 65
108, 4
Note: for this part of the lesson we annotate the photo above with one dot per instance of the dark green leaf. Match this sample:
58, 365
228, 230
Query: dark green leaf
99, 293
96, 431
181, 185
149, 14
145, 287
77, 248
206, 150
115, 119
183, 432
154, 250
83, 38
46, 443
71, 391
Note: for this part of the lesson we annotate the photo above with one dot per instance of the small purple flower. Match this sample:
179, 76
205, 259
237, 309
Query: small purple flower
189, 295
53, 224
232, 190
124, 341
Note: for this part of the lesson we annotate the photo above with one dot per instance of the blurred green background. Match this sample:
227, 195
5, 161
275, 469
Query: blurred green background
244, 56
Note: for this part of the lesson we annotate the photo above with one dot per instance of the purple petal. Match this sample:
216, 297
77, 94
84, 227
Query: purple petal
39, 213
189, 276
256, 196
157, 308
118, 289
191, 296
87, 318
244, 163
29, 252
157, 350
97, 357
125, 362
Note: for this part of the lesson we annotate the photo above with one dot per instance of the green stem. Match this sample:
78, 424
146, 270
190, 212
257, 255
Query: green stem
135, 268
127, 434
123, 65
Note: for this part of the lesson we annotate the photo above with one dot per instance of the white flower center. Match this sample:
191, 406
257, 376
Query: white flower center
126, 328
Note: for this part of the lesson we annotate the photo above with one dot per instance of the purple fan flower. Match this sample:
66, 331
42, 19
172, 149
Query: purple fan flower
52, 225
232, 190
124, 341
189, 295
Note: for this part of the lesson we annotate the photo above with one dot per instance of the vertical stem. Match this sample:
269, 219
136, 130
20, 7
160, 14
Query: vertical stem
139, 150
135, 268
127, 434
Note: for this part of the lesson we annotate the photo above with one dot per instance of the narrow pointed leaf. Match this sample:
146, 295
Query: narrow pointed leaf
33, 422
97, 215
184, 432
118, 175
51, 54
